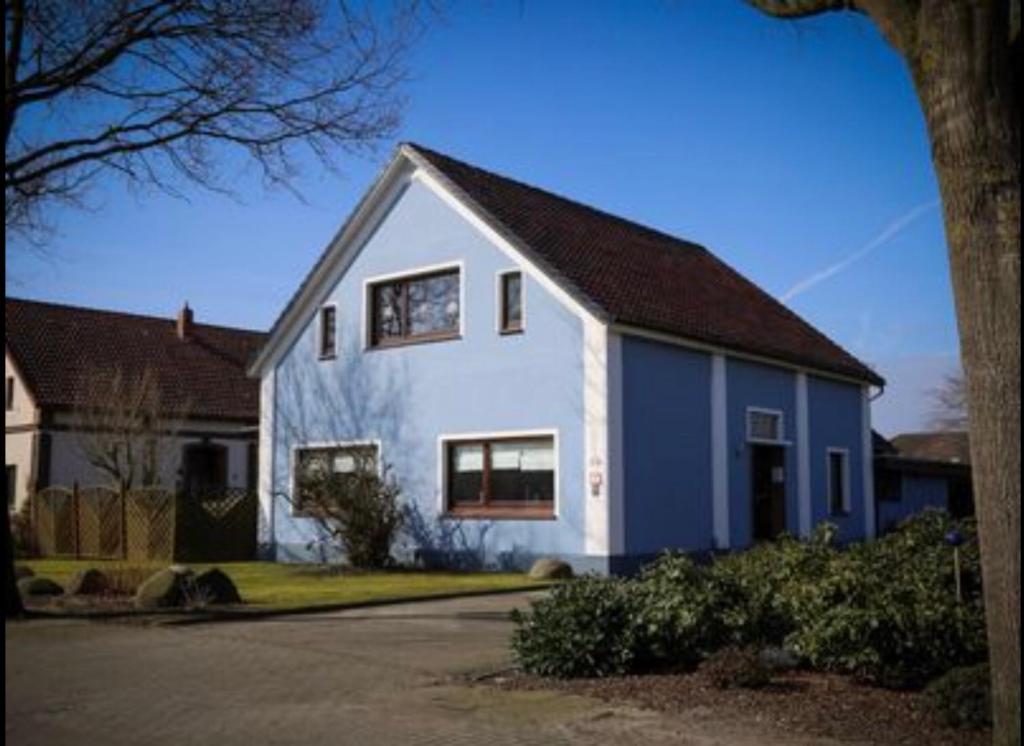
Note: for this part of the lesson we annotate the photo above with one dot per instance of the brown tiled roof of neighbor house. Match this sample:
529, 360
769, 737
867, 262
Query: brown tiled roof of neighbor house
636, 276
952, 447
56, 348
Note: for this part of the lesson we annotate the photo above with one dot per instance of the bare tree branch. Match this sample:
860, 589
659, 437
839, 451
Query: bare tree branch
949, 400
158, 91
799, 8
125, 430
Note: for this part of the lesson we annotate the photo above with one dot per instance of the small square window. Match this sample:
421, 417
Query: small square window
328, 332
764, 426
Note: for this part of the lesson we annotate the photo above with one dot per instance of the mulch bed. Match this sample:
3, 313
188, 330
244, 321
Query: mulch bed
806, 703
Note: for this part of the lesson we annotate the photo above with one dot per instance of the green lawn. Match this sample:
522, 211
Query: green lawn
269, 584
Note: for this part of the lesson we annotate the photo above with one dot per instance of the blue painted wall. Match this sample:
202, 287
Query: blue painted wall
667, 447
835, 422
755, 385
407, 397
917, 492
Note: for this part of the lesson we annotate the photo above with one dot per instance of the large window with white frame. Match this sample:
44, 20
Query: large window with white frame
500, 477
314, 463
416, 308
838, 481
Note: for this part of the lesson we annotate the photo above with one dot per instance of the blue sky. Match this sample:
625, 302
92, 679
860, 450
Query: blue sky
796, 152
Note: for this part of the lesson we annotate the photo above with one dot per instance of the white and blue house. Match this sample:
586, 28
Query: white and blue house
546, 379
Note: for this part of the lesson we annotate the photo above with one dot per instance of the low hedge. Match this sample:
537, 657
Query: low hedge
884, 610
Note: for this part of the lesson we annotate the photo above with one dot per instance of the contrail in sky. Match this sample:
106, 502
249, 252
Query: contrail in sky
890, 231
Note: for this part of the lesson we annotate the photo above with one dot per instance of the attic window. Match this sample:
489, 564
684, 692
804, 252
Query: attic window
764, 426
419, 308
328, 332
510, 298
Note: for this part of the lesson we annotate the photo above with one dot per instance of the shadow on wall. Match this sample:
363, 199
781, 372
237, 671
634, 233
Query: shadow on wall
351, 398
436, 542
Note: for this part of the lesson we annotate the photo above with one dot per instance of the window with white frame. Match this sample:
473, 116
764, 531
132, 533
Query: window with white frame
418, 308
510, 302
328, 332
315, 464
838, 481
512, 477
765, 426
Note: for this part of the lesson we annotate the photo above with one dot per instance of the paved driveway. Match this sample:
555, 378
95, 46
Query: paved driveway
390, 675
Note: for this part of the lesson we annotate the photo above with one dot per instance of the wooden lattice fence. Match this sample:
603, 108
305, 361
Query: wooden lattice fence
144, 524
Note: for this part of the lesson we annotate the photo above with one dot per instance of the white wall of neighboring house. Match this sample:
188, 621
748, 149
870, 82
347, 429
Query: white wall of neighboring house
19, 438
68, 463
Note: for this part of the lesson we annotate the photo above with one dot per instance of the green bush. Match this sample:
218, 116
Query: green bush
359, 511
586, 627
766, 591
885, 611
676, 614
962, 697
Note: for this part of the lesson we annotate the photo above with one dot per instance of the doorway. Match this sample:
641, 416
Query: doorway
205, 470
768, 488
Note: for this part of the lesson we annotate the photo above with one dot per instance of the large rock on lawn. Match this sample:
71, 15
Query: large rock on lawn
90, 582
165, 589
215, 587
34, 586
547, 568
23, 571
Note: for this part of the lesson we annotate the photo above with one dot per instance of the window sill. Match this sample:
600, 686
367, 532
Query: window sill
511, 332
390, 345
502, 514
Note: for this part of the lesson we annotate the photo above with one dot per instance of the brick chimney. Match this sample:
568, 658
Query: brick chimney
184, 325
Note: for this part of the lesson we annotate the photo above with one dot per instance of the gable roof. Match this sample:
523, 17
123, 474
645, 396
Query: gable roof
56, 346
625, 273
953, 447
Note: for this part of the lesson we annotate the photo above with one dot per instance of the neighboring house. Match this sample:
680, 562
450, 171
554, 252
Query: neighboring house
544, 378
915, 471
200, 370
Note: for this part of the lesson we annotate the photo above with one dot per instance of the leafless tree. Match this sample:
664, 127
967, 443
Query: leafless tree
125, 430
964, 57
949, 401
161, 91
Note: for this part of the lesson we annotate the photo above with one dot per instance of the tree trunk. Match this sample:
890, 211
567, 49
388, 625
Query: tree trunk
964, 70
12, 604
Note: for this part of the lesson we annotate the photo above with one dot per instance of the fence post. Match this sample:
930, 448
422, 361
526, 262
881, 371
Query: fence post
76, 518
124, 522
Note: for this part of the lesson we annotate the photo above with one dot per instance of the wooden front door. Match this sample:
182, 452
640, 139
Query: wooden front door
768, 487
